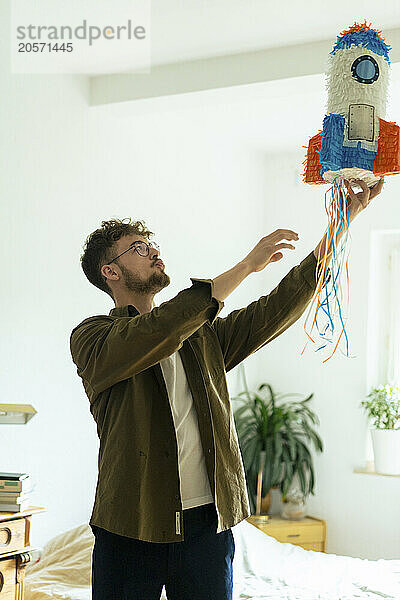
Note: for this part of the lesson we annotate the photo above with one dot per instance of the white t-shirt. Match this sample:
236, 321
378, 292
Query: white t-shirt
194, 483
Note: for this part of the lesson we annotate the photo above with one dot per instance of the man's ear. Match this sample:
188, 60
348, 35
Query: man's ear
109, 272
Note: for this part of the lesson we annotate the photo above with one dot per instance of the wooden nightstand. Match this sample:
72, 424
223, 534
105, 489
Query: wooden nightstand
309, 533
15, 551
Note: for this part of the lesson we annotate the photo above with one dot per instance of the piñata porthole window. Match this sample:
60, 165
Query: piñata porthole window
365, 69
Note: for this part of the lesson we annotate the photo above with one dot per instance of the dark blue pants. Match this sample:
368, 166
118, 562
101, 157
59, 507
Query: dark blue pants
199, 568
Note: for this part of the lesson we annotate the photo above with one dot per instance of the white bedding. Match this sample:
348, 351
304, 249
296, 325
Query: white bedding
264, 569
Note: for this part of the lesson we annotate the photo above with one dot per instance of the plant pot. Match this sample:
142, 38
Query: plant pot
294, 511
386, 444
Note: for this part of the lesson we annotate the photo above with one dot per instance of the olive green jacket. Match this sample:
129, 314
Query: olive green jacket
118, 358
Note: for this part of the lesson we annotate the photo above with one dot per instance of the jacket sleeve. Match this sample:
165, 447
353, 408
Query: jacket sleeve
248, 329
108, 349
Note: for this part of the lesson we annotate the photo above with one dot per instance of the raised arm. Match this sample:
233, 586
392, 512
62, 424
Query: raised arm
248, 329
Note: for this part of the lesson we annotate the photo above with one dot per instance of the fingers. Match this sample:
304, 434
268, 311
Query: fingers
283, 234
377, 188
362, 185
362, 197
276, 257
283, 245
350, 189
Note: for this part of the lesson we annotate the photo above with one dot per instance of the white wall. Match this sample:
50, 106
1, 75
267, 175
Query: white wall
43, 152
210, 181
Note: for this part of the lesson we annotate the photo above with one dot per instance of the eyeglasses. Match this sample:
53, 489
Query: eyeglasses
141, 248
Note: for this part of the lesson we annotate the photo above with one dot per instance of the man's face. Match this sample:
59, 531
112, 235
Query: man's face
140, 274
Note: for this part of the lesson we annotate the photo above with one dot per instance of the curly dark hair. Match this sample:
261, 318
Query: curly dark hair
100, 247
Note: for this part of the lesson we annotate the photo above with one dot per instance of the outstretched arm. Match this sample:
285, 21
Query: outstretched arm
246, 330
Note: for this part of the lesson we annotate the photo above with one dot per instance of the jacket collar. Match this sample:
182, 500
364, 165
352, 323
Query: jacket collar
124, 311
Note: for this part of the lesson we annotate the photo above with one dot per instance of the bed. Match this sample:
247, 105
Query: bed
264, 569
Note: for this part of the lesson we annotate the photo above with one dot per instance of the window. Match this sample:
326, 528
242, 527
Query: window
393, 359
383, 359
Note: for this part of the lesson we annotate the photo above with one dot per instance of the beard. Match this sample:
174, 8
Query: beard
153, 284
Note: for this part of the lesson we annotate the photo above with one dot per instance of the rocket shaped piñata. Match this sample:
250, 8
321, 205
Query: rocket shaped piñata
356, 142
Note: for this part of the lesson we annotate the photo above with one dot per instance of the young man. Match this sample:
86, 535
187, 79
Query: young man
171, 482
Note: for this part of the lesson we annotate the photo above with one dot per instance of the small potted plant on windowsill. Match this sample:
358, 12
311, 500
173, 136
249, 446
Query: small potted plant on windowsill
383, 408
273, 438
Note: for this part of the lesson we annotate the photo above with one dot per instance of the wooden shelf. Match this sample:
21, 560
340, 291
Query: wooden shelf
369, 469
31, 510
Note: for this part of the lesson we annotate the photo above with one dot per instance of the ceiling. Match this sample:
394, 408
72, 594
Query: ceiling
184, 30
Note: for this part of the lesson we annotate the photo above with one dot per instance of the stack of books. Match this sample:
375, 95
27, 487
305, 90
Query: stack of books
15, 492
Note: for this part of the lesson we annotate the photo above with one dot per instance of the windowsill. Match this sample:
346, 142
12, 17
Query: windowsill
369, 469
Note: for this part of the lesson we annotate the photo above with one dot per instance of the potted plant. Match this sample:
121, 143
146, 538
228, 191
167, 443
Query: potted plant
383, 407
273, 437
